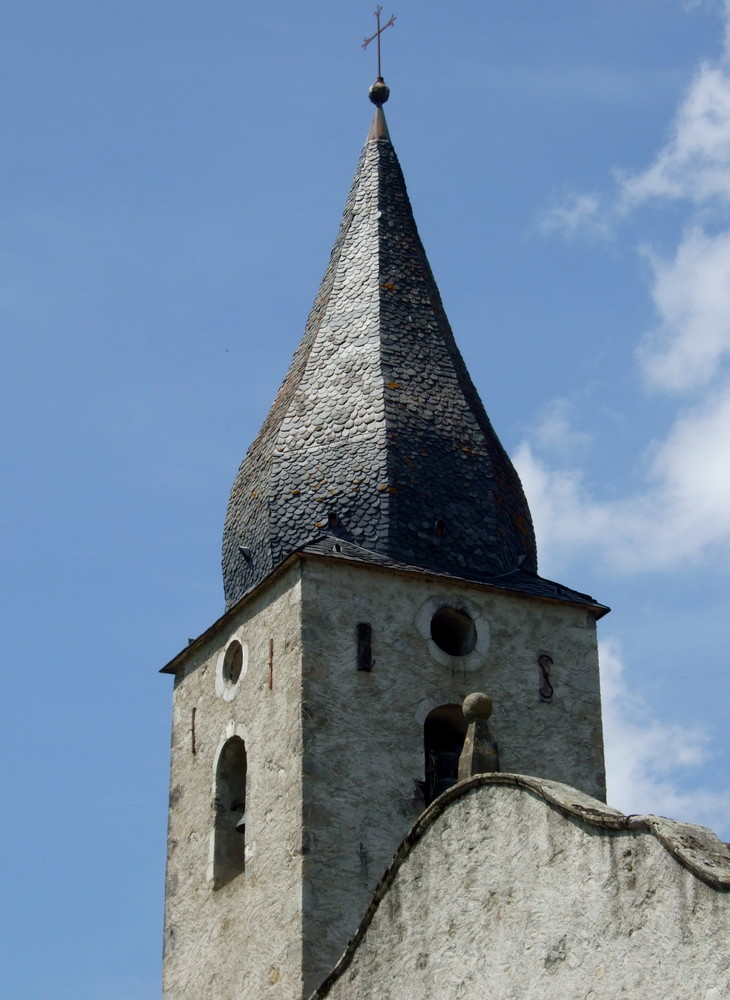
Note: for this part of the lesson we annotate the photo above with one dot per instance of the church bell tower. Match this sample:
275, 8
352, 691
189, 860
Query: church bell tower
379, 565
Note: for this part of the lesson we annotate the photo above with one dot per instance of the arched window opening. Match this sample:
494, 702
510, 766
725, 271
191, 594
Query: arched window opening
444, 732
453, 631
230, 812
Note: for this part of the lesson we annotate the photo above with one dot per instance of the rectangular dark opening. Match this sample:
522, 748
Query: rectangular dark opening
364, 646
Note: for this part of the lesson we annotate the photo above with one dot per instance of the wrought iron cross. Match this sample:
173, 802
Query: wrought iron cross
378, 33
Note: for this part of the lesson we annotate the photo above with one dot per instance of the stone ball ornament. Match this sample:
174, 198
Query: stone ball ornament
476, 706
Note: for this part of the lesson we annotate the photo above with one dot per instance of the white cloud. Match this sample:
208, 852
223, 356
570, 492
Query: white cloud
692, 472
575, 213
565, 516
554, 431
692, 296
682, 512
646, 757
694, 164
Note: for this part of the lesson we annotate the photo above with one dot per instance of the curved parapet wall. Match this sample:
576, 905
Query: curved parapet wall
511, 886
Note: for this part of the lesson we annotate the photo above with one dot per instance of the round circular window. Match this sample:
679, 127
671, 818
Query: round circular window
453, 631
233, 663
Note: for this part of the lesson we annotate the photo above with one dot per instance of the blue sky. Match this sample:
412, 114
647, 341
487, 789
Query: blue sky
173, 178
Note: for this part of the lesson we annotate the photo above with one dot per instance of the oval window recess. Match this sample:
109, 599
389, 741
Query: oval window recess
233, 663
453, 631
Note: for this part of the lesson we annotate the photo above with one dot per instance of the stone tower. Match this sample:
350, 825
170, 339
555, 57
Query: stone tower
379, 564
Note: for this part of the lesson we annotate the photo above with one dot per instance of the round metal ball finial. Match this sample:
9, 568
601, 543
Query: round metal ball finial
379, 92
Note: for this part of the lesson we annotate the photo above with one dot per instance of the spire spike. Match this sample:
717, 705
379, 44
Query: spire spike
379, 126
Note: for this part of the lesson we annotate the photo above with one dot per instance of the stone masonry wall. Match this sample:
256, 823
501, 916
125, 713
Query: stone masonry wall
363, 732
241, 941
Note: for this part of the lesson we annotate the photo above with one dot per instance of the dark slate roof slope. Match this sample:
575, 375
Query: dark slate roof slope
377, 432
518, 581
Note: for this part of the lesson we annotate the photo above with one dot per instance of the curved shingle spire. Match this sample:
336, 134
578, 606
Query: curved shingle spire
377, 433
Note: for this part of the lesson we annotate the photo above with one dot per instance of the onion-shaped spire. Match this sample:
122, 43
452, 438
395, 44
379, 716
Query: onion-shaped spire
377, 434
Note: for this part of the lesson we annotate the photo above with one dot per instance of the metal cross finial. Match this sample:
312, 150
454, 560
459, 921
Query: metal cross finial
378, 33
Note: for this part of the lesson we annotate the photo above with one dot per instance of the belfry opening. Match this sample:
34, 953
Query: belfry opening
229, 858
444, 732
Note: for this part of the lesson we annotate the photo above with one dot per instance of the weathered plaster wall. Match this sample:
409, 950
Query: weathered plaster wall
241, 941
506, 896
363, 732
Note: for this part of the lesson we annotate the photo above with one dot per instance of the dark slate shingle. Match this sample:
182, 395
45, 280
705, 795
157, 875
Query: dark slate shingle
377, 420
